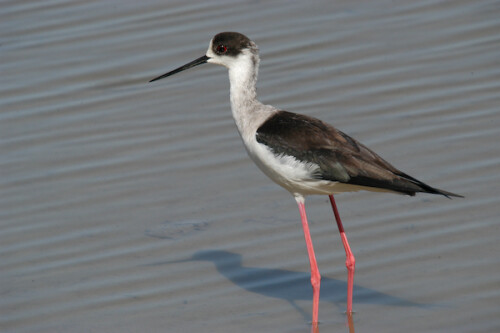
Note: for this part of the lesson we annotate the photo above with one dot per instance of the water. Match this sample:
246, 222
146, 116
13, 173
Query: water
132, 206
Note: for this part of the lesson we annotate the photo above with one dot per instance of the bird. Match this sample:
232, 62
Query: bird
303, 154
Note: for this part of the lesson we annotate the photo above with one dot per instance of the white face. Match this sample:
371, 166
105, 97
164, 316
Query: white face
242, 61
215, 58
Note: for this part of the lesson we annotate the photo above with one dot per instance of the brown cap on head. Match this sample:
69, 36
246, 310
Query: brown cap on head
230, 43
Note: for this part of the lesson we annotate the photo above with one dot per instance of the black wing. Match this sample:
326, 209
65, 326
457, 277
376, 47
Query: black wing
339, 157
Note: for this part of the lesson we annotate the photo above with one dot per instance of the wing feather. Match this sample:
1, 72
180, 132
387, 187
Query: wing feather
340, 157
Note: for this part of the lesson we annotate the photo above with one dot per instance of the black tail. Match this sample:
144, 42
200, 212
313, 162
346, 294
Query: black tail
428, 189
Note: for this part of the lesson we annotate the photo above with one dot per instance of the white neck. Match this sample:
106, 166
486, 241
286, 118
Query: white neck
248, 112
243, 79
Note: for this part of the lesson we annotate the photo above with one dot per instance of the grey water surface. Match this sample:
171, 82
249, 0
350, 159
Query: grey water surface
128, 206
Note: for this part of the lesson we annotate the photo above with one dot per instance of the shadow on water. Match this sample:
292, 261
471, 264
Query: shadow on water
291, 286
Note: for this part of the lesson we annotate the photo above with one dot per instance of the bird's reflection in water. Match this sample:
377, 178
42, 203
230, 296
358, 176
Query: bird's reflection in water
291, 286
349, 324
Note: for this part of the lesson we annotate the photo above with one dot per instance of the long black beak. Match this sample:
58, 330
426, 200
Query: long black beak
199, 61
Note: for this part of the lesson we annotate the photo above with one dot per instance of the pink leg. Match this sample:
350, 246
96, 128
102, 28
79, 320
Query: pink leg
350, 261
315, 276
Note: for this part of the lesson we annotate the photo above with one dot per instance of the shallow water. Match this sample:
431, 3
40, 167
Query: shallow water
127, 206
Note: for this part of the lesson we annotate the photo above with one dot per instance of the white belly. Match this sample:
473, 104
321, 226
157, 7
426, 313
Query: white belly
296, 176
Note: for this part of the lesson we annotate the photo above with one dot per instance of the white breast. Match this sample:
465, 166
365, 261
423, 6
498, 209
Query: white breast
295, 176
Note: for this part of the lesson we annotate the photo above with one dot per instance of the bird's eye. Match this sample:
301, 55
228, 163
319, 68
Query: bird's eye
221, 48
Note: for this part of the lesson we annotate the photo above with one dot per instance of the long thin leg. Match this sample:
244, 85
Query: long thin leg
350, 261
315, 276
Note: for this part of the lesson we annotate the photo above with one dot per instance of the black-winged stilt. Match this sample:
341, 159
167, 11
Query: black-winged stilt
302, 154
